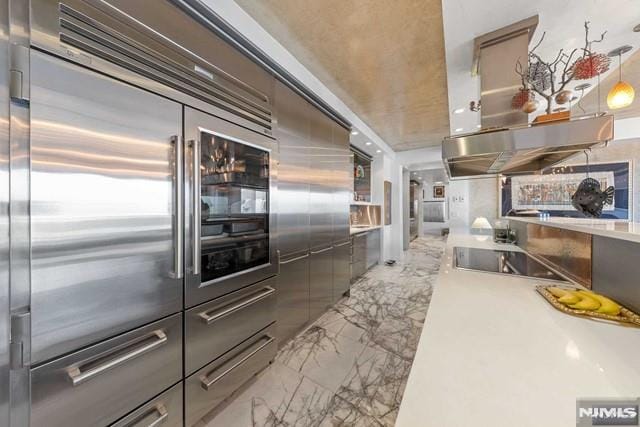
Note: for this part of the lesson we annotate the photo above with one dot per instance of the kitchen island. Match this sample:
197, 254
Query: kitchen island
494, 352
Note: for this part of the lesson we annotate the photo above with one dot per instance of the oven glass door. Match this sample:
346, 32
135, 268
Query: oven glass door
234, 207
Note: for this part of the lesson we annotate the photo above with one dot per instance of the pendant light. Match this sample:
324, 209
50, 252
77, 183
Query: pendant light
622, 94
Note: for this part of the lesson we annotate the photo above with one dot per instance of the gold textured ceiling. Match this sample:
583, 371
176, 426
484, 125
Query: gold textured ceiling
384, 58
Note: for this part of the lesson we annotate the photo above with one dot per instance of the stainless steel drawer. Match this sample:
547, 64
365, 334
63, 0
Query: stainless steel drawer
98, 385
216, 327
165, 410
208, 387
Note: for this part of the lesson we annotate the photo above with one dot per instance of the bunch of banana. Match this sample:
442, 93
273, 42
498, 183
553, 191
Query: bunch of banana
585, 300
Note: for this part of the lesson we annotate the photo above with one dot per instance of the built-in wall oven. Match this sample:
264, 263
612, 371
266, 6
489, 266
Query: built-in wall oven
230, 184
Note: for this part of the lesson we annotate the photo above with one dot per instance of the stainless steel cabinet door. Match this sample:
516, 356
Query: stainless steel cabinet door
373, 248
341, 269
321, 175
293, 171
320, 281
102, 206
293, 297
343, 181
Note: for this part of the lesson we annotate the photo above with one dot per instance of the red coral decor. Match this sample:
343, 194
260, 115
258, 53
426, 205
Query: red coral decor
521, 97
591, 65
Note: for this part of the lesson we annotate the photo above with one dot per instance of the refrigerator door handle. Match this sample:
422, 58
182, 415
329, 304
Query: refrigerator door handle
77, 376
209, 317
207, 383
195, 233
178, 216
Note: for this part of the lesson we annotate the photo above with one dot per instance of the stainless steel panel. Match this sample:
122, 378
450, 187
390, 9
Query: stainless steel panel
567, 251
293, 297
341, 269
196, 292
321, 179
19, 221
101, 383
616, 270
128, 39
4, 213
163, 411
320, 281
208, 387
373, 248
434, 211
101, 206
343, 181
524, 149
213, 328
358, 255
293, 171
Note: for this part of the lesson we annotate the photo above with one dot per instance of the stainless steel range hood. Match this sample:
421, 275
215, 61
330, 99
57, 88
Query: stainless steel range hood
523, 149
510, 145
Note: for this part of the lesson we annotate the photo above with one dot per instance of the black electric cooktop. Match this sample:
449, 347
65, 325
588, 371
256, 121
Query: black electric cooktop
502, 262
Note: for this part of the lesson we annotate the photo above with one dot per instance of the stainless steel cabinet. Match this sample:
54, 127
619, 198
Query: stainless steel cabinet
293, 171
102, 207
342, 183
320, 281
207, 388
320, 174
213, 328
365, 252
293, 296
358, 255
98, 385
341, 269
373, 248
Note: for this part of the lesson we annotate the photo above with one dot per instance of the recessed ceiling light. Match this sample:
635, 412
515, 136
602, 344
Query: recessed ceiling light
368, 143
378, 151
458, 111
459, 129
354, 132
479, 126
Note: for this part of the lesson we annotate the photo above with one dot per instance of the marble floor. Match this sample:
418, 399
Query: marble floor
350, 367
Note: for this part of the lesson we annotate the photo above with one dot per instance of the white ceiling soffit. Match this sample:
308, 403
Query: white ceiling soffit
384, 59
563, 21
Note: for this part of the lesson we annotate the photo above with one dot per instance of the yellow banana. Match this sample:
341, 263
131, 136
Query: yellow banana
569, 299
557, 292
587, 302
607, 306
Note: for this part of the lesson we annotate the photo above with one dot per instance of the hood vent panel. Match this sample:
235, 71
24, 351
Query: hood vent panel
525, 149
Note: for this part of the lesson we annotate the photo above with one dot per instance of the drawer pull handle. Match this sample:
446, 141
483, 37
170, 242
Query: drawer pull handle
294, 259
208, 383
321, 250
78, 376
159, 409
210, 317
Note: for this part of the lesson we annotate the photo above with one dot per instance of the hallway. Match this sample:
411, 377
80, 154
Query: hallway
350, 367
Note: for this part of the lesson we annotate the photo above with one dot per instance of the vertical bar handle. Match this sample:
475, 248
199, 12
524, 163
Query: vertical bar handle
197, 219
178, 209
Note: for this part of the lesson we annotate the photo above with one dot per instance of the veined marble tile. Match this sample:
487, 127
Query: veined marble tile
323, 356
351, 366
279, 396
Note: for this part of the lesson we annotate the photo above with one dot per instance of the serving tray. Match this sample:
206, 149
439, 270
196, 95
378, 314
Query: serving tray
626, 316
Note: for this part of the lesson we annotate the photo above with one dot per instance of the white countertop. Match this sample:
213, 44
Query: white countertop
602, 227
493, 352
356, 230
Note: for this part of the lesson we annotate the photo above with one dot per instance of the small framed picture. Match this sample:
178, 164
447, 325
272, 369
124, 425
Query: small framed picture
438, 191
